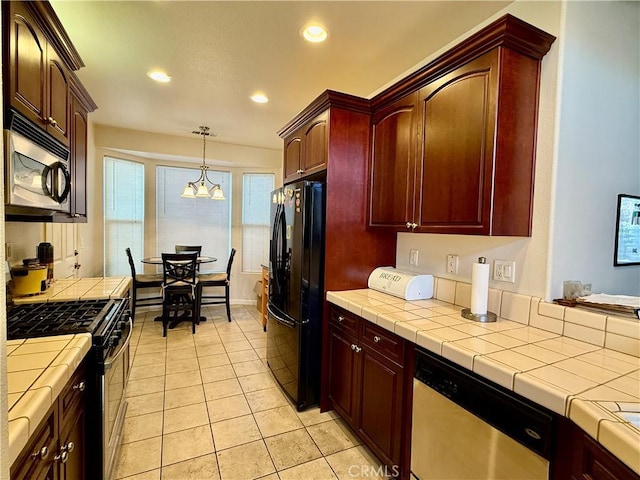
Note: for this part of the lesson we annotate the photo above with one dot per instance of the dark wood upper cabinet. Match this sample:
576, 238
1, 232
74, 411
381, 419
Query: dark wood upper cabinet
453, 144
38, 79
393, 163
39, 63
305, 151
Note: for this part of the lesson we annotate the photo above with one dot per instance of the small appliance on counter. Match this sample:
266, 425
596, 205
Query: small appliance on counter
30, 278
406, 285
45, 257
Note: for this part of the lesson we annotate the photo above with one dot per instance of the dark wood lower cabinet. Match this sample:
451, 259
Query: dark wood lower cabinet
580, 457
370, 373
57, 450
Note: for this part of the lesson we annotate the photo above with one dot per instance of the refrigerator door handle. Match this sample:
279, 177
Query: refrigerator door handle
278, 318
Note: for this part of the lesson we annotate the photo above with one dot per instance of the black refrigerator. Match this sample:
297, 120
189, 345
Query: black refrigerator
296, 270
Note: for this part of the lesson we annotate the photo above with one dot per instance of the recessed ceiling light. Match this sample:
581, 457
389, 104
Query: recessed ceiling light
315, 33
159, 76
259, 98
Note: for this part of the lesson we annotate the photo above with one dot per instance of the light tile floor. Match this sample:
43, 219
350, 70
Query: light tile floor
205, 407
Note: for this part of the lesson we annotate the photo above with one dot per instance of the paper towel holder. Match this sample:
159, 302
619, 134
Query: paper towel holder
479, 317
484, 318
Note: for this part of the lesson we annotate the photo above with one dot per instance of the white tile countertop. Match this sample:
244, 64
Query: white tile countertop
37, 370
69, 289
593, 378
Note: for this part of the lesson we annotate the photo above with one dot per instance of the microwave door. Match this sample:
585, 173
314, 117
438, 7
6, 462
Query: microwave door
31, 183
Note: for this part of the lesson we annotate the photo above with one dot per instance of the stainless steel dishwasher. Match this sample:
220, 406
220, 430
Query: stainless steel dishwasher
466, 428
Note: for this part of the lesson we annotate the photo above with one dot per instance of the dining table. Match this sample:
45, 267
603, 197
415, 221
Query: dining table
199, 260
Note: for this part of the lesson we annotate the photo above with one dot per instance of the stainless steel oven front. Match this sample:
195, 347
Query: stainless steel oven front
114, 373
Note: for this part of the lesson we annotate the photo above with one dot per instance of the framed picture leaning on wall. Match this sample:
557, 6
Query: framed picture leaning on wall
627, 245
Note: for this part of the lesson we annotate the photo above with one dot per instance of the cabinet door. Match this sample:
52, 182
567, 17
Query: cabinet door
57, 114
458, 116
36, 460
381, 396
343, 373
79, 159
292, 157
314, 140
393, 167
72, 442
27, 64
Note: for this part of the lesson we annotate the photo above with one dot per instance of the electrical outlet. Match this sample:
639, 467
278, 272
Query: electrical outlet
8, 250
413, 257
504, 271
452, 263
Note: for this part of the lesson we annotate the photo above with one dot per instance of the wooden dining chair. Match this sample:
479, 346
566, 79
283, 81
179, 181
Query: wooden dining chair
139, 282
190, 248
180, 293
217, 280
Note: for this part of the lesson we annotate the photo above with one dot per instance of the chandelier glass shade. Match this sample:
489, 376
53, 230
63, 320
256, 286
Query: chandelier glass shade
199, 188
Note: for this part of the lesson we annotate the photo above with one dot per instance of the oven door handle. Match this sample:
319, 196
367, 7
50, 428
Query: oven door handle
109, 363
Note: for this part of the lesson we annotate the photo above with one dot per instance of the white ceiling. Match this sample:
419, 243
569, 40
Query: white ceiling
220, 53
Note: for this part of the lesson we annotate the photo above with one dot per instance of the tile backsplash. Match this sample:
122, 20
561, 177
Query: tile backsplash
613, 332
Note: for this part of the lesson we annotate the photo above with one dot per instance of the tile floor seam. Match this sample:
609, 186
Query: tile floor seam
225, 329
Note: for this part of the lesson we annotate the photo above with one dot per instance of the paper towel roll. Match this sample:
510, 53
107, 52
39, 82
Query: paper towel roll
479, 288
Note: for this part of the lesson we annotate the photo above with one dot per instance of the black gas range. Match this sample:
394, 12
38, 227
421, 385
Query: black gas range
110, 324
102, 318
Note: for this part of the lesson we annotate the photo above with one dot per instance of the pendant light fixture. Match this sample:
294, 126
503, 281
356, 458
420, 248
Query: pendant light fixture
199, 188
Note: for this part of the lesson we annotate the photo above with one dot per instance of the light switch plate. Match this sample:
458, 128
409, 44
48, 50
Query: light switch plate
413, 257
504, 271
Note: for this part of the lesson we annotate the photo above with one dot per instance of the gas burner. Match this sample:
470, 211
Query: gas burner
56, 318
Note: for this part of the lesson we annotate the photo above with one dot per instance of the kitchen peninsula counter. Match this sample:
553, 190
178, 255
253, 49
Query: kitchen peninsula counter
598, 388
70, 289
39, 368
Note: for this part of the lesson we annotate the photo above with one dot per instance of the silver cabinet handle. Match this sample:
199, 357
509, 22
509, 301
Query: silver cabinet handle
41, 454
52, 121
80, 386
62, 457
376, 338
340, 318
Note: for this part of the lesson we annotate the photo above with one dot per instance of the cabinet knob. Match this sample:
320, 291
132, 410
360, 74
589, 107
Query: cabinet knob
376, 338
80, 386
41, 454
69, 447
408, 224
52, 121
340, 318
357, 349
62, 457
413, 226
353, 346
299, 170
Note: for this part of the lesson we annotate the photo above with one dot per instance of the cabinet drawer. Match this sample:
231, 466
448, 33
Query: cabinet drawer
344, 320
74, 392
383, 341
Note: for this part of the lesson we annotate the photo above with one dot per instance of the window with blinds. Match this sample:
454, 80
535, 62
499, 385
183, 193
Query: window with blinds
123, 214
256, 207
193, 221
